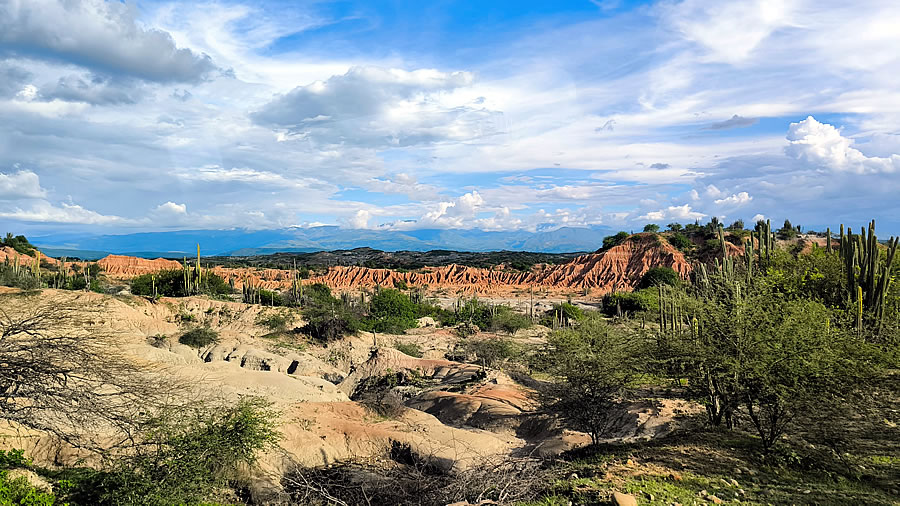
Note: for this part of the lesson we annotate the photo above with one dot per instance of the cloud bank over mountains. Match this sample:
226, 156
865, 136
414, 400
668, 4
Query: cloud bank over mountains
165, 115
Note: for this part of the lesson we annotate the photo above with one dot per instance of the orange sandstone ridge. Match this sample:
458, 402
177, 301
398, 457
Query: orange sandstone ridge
619, 268
122, 266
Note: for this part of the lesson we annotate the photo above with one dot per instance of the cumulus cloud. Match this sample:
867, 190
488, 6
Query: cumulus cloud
456, 213
23, 184
360, 219
683, 212
171, 209
734, 122
377, 106
99, 35
43, 211
735, 199
822, 144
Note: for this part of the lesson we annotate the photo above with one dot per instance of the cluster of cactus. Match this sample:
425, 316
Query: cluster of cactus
193, 277
868, 279
19, 268
15, 267
61, 278
251, 293
765, 240
296, 283
671, 311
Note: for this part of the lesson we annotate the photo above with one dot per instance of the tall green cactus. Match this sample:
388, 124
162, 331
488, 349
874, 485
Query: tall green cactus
867, 278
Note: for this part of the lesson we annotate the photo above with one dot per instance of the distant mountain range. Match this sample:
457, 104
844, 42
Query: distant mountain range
240, 242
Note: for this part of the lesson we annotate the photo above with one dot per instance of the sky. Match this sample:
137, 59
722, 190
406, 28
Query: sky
118, 117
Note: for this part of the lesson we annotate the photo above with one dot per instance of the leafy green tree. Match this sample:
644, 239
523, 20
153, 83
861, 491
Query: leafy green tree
659, 276
327, 318
680, 242
614, 240
184, 456
594, 364
736, 225
674, 227
651, 227
510, 321
391, 311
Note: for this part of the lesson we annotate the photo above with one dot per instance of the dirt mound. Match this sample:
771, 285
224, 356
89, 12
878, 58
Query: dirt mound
126, 266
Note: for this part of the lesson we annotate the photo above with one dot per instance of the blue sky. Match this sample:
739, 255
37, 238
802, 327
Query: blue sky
141, 116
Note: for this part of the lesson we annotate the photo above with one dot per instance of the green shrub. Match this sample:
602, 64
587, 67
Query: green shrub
170, 283
510, 321
199, 337
185, 457
489, 352
659, 276
566, 312
614, 240
23, 279
18, 243
391, 311
274, 322
411, 349
11, 459
631, 302
327, 318
681, 242
19, 492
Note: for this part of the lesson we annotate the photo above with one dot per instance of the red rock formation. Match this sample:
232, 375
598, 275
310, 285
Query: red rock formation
126, 267
11, 254
620, 267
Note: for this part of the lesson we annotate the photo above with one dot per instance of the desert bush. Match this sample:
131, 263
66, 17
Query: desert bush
21, 279
681, 242
391, 311
170, 283
411, 349
185, 456
44, 344
274, 321
199, 337
493, 352
630, 303
659, 276
593, 363
327, 318
18, 243
563, 313
510, 321
614, 240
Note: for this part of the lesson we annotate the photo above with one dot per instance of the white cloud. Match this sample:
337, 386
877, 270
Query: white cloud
822, 144
99, 35
44, 212
683, 212
735, 199
360, 219
171, 209
457, 213
380, 107
729, 31
23, 184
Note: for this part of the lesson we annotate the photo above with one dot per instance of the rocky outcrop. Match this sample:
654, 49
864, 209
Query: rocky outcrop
24, 260
125, 266
618, 268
